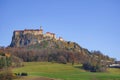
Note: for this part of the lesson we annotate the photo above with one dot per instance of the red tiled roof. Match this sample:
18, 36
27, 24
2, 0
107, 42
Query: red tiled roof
47, 32
18, 30
50, 33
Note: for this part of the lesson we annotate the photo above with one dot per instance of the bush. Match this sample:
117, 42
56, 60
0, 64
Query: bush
94, 67
6, 75
62, 59
24, 74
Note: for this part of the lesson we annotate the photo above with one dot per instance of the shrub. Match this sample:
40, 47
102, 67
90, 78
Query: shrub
24, 74
6, 75
62, 59
98, 67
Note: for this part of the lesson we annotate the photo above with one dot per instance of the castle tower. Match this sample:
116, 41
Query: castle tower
40, 27
41, 30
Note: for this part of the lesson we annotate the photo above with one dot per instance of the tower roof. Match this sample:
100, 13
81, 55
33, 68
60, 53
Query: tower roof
41, 28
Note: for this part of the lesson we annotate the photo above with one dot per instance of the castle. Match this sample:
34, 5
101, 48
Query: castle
29, 31
37, 32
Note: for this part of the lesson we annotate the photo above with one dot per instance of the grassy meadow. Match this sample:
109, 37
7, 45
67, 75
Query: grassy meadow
65, 72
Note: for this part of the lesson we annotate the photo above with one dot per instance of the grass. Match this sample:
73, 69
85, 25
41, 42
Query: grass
65, 71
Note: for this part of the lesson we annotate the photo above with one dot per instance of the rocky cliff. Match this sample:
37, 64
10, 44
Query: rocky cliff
35, 39
20, 39
27, 37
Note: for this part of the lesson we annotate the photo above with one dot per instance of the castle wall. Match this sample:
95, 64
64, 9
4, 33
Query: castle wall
18, 32
38, 32
61, 39
34, 32
26, 32
51, 35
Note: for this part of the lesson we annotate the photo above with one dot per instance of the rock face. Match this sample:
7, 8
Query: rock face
27, 37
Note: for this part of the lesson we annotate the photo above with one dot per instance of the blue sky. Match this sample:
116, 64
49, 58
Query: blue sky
94, 24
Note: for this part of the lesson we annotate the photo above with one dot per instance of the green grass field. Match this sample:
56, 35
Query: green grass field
65, 71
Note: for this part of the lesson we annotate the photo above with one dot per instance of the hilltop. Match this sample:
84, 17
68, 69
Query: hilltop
31, 36
40, 43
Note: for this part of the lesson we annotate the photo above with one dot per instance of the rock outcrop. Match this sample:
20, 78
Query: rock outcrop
27, 37
35, 39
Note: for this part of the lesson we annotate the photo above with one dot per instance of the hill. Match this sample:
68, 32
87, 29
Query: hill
35, 39
65, 72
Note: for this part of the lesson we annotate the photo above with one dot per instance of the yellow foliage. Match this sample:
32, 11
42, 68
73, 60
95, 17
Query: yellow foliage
7, 54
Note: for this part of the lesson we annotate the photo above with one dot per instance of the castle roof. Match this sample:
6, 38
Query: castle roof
50, 33
32, 30
28, 30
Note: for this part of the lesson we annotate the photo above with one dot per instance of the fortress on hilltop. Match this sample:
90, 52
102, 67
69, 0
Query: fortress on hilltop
37, 32
31, 36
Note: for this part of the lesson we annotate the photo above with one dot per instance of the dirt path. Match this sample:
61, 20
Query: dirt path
40, 78
35, 78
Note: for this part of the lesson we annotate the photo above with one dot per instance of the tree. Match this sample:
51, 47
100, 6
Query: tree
95, 65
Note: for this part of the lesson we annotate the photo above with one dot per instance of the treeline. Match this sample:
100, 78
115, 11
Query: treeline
98, 62
50, 55
93, 61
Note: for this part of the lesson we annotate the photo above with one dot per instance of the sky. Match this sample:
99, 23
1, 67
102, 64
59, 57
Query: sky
93, 24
